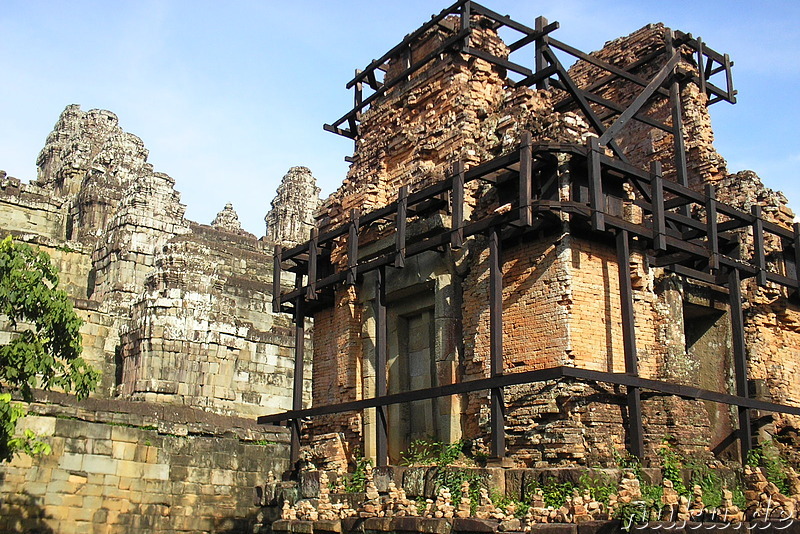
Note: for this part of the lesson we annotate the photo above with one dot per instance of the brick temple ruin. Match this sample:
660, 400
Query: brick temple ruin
552, 262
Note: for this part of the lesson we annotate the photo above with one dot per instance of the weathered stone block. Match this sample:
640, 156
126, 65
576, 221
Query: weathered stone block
104, 465
309, 484
414, 481
382, 476
472, 524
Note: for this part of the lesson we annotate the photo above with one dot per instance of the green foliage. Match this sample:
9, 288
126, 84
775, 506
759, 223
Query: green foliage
626, 460
738, 497
709, 481
600, 485
10, 413
637, 511
769, 458
357, 482
646, 509
671, 465
265, 442
555, 493
442, 456
453, 478
501, 500
45, 349
422, 504
432, 452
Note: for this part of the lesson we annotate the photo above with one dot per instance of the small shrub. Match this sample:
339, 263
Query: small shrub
599, 485
357, 481
555, 493
769, 458
671, 464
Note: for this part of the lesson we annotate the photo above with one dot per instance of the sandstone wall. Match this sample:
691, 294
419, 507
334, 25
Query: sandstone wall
175, 312
125, 467
178, 318
210, 339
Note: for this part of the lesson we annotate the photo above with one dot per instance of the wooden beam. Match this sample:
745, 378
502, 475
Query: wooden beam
712, 239
700, 69
541, 62
400, 227
758, 246
533, 377
377, 63
498, 437
276, 279
311, 290
796, 246
506, 64
297, 378
617, 109
525, 180
624, 73
352, 248
596, 198
381, 343
539, 34
677, 124
640, 100
657, 192
457, 206
466, 24
739, 360
635, 432
576, 93
539, 78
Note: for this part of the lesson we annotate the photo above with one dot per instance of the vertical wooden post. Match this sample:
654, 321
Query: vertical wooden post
635, 431
297, 393
758, 246
657, 193
401, 222
712, 242
311, 289
596, 198
525, 179
726, 60
496, 343
457, 201
739, 360
381, 339
352, 248
466, 13
358, 94
677, 123
276, 279
700, 68
541, 62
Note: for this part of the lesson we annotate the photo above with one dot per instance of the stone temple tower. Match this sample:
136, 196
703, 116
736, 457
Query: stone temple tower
292, 215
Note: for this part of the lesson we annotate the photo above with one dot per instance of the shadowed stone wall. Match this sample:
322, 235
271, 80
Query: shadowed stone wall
128, 467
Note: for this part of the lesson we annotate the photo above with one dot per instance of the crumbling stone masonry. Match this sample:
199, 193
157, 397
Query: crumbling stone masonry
561, 291
177, 317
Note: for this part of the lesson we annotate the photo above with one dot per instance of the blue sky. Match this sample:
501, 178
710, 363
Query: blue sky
228, 95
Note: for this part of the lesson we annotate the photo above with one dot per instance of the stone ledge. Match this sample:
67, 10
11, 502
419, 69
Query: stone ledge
170, 419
